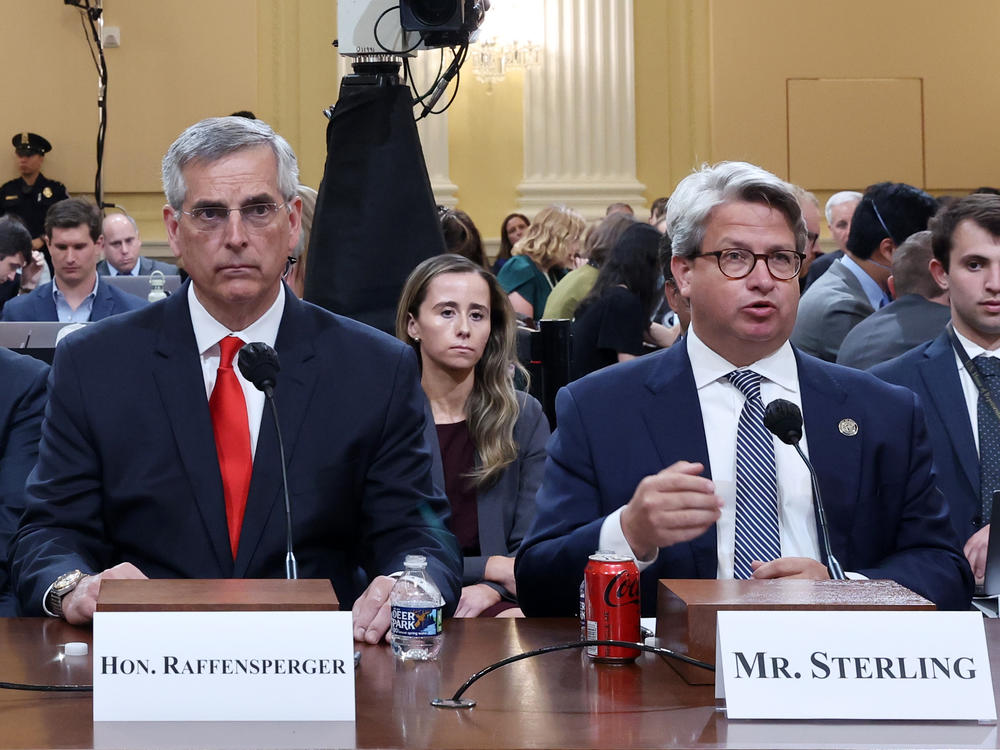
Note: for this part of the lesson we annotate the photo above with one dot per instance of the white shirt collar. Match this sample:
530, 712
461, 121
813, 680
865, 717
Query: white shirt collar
973, 349
208, 331
57, 293
708, 366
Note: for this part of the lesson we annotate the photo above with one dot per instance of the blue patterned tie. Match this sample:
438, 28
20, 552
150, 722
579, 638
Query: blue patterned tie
757, 535
989, 435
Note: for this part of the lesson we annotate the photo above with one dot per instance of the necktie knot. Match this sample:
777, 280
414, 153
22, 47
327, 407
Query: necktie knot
227, 350
989, 367
747, 381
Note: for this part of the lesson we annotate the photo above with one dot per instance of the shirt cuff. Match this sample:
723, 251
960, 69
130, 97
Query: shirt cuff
612, 539
855, 576
45, 598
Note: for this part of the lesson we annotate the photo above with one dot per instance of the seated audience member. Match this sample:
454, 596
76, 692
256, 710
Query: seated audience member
22, 404
615, 208
666, 458
857, 285
295, 276
15, 251
491, 437
613, 321
679, 305
574, 286
839, 212
540, 258
461, 236
75, 294
158, 458
956, 375
658, 214
122, 248
919, 310
512, 229
810, 215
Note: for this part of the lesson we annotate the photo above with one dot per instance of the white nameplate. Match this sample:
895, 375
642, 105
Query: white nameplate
854, 665
223, 666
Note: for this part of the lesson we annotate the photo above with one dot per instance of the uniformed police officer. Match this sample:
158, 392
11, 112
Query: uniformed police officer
30, 195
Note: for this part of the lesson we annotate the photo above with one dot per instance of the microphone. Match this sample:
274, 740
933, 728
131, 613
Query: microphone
784, 420
259, 364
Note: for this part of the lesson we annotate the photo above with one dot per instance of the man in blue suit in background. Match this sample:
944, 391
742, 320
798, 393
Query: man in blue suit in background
169, 467
964, 426
665, 458
75, 294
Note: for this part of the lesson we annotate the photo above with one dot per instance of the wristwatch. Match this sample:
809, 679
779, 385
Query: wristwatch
60, 588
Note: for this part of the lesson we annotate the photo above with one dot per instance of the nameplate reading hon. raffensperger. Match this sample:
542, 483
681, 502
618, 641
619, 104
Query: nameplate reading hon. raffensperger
223, 666
854, 665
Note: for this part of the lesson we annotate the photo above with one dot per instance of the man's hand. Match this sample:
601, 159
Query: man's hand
79, 604
791, 567
371, 612
476, 599
975, 552
31, 271
500, 569
676, 505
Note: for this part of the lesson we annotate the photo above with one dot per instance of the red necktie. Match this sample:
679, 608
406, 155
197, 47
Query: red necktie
232, 438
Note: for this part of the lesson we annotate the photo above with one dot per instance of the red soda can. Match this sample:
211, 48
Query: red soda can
611, 584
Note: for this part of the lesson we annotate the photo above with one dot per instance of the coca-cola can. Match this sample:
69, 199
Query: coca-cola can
611, 584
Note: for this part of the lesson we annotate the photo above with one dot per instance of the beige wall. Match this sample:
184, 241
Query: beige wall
833, 95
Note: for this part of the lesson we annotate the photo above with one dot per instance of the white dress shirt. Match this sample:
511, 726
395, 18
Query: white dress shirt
721, 404
969, 389
208, 332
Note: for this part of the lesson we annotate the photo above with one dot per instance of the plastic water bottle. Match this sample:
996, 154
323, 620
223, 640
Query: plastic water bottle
417, 611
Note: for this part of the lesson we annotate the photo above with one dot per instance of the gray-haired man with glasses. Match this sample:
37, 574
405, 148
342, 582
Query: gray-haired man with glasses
857, 285
666, 458
176, 474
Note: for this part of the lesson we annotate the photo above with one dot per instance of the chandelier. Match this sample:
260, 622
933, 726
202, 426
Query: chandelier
509, 39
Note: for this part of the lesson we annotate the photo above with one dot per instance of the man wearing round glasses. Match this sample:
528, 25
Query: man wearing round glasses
666, 458
177, 473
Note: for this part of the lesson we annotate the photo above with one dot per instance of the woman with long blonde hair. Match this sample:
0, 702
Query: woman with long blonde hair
491, 437
548, 249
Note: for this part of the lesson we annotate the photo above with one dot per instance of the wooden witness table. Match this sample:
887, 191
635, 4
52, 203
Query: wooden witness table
557, 700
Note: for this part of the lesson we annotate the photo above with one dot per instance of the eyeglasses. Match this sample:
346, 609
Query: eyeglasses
880, 221
812, 237
737, 263
213, 218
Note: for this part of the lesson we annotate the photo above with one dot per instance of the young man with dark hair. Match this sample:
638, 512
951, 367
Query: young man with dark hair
957, 375
73, 236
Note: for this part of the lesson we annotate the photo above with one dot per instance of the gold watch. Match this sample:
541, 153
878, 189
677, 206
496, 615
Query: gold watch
61, 588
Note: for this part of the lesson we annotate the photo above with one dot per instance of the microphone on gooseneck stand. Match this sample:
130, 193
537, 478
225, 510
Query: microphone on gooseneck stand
784, 420
259, 364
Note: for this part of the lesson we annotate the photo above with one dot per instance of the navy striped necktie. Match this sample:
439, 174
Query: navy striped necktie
989, 435
757, 535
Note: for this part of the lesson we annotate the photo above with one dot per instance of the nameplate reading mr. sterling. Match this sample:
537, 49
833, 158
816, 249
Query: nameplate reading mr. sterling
223, 666
854, 665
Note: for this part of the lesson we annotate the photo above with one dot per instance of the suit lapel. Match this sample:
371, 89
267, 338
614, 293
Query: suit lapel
292, 396
182, 390
940, 375
145, 266
672, 383
103, 302
835, 453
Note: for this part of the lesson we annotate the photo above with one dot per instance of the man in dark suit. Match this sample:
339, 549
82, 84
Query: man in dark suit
919, 310
170, 467
665, 459
75, 295
22, 403
963, 425
856, 285
122, 248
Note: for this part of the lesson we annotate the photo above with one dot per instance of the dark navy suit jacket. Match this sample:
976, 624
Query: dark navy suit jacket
127, 468
931, 371
22, 402
39, 305
887, 518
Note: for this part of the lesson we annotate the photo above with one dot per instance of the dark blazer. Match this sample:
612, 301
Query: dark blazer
39, 305
129, 472
22, 403
146, 267
931, 371
887, 518
828, 310
893, 330
507, 507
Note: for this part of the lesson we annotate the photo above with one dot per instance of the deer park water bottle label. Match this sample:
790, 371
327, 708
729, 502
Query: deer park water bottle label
416, 621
